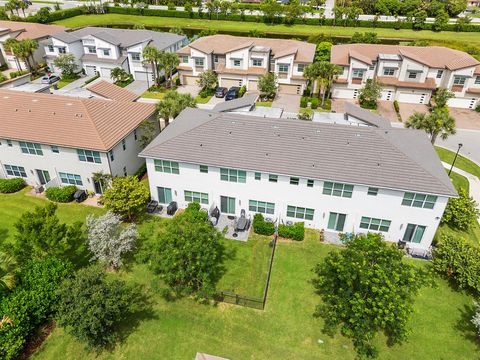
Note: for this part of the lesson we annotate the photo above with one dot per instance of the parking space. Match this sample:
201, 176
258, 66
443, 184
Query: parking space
189, 89
287, 102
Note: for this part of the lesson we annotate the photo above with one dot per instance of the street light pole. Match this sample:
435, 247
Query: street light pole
455, 158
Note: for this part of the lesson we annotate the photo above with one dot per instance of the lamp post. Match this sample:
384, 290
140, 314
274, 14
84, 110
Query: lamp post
455, 158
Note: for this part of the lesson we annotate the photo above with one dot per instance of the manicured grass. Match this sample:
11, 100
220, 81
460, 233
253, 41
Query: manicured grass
264, 103
153, 95
245, 27
122, 84
202, 100
461, 162
63, 82
459, 181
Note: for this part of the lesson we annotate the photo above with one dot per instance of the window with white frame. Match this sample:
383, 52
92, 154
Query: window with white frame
110, 155
257, 62
237, 62
91, 49
169, 167
55, 149
419, 200
477, 80
261, 207
215, 59
89, 156
106, 52
184, 59
62, 50
124, 145
300, 68
13, 170
204, 169
310, 182
51, 48
70, 179
272, 178
412, 74
373, 191
294, 181
374, 224
459, 80
135, 56
233, 175
194, 196
337, 189
283, 68
358, 73
31, 148
439, 74
388, 71
199, 61
300, 212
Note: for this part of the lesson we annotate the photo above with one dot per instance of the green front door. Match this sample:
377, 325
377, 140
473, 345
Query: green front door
164, 195
227, 205
336, 221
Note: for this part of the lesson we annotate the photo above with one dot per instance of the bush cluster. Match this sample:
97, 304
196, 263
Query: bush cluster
294, 232
304, 102
8, 186
204, 93
396, 106
461, 212
15, 74
262, 227
242, 91
61, 194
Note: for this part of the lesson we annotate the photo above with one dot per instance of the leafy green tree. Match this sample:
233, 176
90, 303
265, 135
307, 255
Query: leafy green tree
370, 94
67, 65
420, 17
441, 97
188, 253
177, 30
169, 62
461, 22
207, 80
23, 5
119, 75
437, 123
267, 84
23, 50
323, 51
292, 12
189, 8
8, 265
39, 233
12, 5
366, 289
441, 20
172, 104
43, 15
365, 38
271, 10
127, 197
462, 212
455, 7
148, 132
312, 73
92, 307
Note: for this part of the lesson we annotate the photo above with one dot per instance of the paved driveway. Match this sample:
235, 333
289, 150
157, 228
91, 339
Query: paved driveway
466, 119
138, 87
287, 102
189, 89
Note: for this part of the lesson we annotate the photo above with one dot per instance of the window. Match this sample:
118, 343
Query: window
89, 156
198, 61
299, 212
106, 52
439, 74
294, 181
358, 73
261, 207
257, 62
258, 176
125, 171
374, 224
459, 80
184, 58
31, 148
237, 62
388, 71
71, 179
372, 191
18, 171
419, 200
300, 68
477, 80
337, 189
336, 221
272, 178
110, 155
169, 167
412, 74
124, 145
135, 56
9, 143
203, 168
92, 49
215, 58
135, 136
414, 233
198, 197
55, 149
233, 175
51, 48
310, 182
283, 68
62, 50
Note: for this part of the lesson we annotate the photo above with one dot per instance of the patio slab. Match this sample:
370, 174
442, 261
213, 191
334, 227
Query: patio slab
224, 221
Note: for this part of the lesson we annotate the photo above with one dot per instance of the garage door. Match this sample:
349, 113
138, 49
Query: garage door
105, 72
289, 89
340, 93
142, 76
412, 98
189, 80
462, 103
252, 85
90, 70
230, 82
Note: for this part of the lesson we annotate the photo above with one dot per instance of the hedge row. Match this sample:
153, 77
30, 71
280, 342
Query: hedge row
61, 194
294, 232
262, 227
8, 186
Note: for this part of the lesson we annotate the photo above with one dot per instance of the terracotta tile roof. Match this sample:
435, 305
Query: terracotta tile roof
222, 44
432, 56
30, 30
66, 121
221, 69
477, 70
391, 81
340, 81
473, 90
112, 92
184, 67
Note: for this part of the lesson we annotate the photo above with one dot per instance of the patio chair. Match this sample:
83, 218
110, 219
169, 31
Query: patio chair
152, 206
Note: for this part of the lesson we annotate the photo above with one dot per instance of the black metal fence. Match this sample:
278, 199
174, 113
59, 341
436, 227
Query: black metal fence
247, 301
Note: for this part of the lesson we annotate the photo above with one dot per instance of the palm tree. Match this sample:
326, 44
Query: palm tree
14, 47
169, 62
7, 269
13, 5
312, 73
438, 122
151, 55
173, 104
29, 47
24, 6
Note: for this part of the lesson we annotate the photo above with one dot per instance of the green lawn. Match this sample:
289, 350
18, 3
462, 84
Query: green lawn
62, 82
245, 27
203, 100
153, 95
459, 181
286, 328
264, 103
461, 162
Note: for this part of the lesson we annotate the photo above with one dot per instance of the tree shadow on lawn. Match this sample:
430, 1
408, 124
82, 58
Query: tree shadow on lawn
465, 325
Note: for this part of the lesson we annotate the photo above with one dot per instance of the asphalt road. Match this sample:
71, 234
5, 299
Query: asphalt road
470, 140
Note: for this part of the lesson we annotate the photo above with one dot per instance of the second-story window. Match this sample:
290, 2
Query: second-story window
459, 80
169, 167
419, 200
55, 149
237, 62
62, 50
51, 48
215, 59
412, 74
358, 73
257, 62
283, 68
204, 169
233, 175
198, 61
124, 144
92, 49
31, 148
388, 71
89, 156
300, 68
184, 59
106, 52
337, 189
110, 155
439, 74
135, 56
477, 80
294, 181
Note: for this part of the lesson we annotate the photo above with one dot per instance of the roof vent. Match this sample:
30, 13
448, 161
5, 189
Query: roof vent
6, 97
68, 104
34, 100
201, 145
29, 110
16, 109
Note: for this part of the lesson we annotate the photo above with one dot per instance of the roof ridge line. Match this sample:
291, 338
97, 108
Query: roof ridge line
83, 101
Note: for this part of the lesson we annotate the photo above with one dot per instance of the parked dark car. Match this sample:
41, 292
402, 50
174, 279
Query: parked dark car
220, 92
50, 79
232, 93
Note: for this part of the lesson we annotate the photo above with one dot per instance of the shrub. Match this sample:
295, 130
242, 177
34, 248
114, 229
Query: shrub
314, 103
2, 78
477, 109
8, 186
61, 194
262, 227
204, 93
295, 231
242, 91
396, 106
15, 74
461, 212
304, 102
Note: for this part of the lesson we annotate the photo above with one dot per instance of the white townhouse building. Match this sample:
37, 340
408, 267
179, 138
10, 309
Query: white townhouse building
100, 50
408, 74
56, 140
340, 178
241, 61
21, 31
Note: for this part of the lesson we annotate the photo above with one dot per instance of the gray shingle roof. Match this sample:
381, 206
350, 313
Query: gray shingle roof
247, 100
392, 158
366, 116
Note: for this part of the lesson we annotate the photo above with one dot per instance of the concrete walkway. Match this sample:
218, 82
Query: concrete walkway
474, 183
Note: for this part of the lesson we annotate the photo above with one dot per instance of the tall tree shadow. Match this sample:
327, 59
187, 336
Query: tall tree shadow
465, 326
